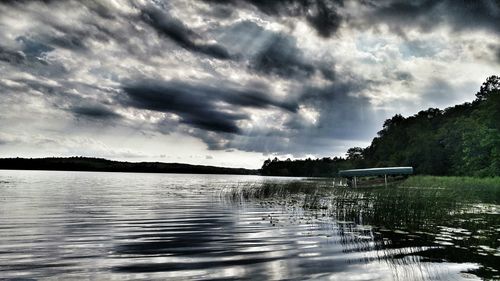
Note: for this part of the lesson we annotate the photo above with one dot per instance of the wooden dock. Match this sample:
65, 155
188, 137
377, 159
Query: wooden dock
355, 173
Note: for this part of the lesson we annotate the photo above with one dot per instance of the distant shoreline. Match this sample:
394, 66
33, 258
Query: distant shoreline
88, 164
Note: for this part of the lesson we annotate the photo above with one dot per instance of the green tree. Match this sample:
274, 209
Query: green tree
488, 88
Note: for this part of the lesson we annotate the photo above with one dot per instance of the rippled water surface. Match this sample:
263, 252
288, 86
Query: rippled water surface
81, 225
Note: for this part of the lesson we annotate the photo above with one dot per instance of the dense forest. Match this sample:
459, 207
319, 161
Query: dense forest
103, 165
463, 140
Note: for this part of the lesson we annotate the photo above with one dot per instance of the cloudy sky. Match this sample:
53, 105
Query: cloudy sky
233, 82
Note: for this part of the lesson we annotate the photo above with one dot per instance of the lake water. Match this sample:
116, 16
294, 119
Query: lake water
116, 226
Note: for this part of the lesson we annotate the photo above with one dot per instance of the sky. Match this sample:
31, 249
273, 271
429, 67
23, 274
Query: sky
231, 83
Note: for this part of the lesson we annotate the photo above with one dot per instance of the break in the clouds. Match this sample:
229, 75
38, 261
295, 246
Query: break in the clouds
238, 80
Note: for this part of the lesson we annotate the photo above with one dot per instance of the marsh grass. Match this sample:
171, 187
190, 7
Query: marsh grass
452, 182
457, 217
420, 201
466, 189
307, 192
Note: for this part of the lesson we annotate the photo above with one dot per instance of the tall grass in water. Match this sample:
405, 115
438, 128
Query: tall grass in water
420, 201
460, 182
277, 190
468, 189
450, 213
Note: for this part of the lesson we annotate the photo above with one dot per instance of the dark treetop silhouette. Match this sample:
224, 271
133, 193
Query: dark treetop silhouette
97, 164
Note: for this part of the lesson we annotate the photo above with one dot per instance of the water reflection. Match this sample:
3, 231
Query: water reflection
417, 226
150, 226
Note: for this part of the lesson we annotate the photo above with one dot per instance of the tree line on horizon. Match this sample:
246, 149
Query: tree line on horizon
462, 140
103, 165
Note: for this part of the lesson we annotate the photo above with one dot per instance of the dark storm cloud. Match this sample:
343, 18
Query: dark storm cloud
68, 41
100, 8
400, 14
94, 111
325, 18
64, 34
199, 105
62, 97
40, 86
342, 115
33, 62
11, 56
322, 15
213, 120
282, 57
178, 32
273, 53
23, 2
75, 38
96, 6
429, 14
31, 53
326, 15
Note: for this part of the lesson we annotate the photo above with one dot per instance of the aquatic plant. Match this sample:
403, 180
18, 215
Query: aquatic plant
452, 217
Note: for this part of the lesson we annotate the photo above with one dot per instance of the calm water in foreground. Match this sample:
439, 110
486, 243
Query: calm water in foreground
80, 225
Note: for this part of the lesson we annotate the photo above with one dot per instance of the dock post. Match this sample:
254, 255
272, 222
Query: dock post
355, 182
385, 178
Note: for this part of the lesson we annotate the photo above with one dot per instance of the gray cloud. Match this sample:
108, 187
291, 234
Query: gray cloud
62, 97
420, 48
265, 86
273, 53
68, 41
322, 15
214, 140
496, 50
404, 76
30, 55
343, 114
440, 93
32, 48
341, 118
426, 15
326, 16
282, 57
94, 111
178, 32
31, 58
198, 104
11, 56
